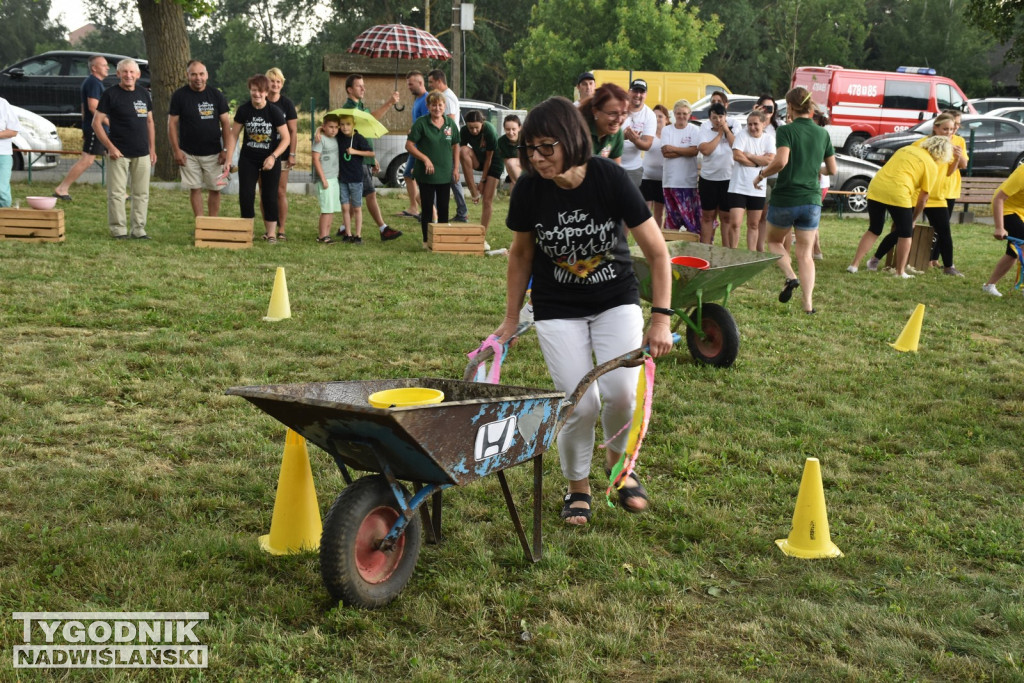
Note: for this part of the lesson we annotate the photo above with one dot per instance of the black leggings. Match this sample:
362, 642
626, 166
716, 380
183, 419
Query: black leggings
938, 218
951, 203
428, 193
249, 172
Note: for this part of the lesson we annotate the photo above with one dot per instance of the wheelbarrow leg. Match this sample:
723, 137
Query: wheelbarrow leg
433, 527
533, 553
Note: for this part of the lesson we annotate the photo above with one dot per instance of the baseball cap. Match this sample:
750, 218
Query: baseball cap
585, 76
640, 85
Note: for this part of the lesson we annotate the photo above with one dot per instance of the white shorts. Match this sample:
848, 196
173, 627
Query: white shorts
570, 347
200, 172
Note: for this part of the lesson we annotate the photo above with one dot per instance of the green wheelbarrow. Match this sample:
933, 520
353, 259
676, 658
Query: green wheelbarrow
711, 332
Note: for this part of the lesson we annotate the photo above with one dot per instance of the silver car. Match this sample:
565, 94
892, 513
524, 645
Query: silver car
38, 135
853, 175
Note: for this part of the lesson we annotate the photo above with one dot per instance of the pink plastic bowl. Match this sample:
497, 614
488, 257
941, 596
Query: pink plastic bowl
42, 202
690, 262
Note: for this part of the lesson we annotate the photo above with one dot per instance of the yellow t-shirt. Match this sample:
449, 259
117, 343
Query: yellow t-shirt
910, 171
1014, 189
947, 186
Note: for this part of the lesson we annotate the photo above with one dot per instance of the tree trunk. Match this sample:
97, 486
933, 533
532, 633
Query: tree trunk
167, 48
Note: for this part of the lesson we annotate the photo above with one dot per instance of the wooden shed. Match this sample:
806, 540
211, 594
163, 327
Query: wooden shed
379, 79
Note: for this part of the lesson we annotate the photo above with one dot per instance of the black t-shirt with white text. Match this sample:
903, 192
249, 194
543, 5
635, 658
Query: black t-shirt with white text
581, 261
128, 119
199, 113
259, 130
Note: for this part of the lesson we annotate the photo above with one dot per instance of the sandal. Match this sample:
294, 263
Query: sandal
270, 239
325, 240
626, 493
569, 511
281, 237
787, 292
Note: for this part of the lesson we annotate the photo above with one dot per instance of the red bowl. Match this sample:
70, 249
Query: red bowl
691, 262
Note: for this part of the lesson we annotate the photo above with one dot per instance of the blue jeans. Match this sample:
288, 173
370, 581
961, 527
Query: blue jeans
6, 165
803, 217
460, 201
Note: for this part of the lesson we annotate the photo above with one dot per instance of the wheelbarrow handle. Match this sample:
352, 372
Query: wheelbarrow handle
488, 353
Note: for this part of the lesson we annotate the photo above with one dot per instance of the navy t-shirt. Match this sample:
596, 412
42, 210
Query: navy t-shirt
128, 113
199, 115
351, 165
92, 88
581, 261
259, 130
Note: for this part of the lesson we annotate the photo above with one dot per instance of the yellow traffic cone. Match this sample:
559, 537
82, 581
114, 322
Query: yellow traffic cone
279, 308
296, 524
911, 334
809, 539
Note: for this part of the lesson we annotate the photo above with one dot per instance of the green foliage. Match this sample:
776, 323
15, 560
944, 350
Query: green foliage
26, 29
566, 37
1004, 20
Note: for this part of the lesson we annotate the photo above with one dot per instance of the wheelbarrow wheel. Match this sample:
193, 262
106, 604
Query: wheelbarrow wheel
352, 566
720, 341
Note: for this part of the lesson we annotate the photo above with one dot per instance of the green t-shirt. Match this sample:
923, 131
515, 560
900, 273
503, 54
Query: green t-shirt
507, 148
483, 142
610, 147
809, 145
436, 143
352, 104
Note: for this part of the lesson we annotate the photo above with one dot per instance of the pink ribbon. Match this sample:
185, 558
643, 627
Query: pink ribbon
481, 370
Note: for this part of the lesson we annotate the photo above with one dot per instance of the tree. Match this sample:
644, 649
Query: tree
1003, 20
743, 51
566, 37
26, 30
117, 29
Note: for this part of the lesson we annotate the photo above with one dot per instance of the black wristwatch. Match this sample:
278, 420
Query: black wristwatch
664, 311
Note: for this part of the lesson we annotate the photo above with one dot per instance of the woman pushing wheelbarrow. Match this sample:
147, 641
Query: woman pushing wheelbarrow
568, 211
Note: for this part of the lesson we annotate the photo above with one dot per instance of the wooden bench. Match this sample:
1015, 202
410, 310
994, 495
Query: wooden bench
842, 198
975, 190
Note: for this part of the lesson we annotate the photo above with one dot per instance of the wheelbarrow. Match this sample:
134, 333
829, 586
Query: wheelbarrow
371, 534
711, 332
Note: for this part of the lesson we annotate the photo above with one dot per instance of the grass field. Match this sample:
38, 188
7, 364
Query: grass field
130, 482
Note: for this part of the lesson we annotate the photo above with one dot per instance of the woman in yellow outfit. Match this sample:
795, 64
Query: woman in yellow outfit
901, 189
941, 199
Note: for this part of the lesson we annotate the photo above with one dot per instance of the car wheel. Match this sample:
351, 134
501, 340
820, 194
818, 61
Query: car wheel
1018, 162
394, 176
856, 203
855, 145
19, 161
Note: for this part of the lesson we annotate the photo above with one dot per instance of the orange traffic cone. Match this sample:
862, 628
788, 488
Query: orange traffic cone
279, 308
911, 334
296, 524
809, 538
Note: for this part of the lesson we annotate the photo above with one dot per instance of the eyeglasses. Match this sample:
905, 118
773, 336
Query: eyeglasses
545, 149
614, 114
768, 107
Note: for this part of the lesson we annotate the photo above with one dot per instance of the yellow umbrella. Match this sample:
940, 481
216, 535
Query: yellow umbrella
367, 126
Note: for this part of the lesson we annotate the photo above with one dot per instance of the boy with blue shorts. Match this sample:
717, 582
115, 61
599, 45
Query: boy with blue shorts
326, 167
353, 148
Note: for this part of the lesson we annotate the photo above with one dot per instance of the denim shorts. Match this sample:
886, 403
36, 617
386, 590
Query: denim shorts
803, 217
351, 193
408, 167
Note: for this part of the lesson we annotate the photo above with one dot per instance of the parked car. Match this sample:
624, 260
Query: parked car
739, 106
50, 84
36, 134
998, 143
852, 175
1015, 113
390, 149
985, 105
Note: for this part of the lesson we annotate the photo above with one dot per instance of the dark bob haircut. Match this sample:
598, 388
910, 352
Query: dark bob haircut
557, 118
260, 82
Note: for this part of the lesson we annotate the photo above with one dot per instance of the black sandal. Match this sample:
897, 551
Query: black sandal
787, 292
627, 493
569, 511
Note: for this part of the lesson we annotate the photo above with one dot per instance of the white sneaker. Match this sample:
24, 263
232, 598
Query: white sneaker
903, 276
914, 271
990, 289
851, 269
872, 264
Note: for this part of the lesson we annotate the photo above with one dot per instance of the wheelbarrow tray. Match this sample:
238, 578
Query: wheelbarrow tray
478, 428
729, 269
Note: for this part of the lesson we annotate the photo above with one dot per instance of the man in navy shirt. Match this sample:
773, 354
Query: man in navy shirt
92, 88
131, 148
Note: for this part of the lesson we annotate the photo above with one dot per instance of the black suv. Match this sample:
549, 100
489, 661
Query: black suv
50, 84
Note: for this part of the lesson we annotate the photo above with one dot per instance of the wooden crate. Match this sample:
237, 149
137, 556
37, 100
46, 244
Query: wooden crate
920, 248
223, 233
32, 225
680, 236
457, 238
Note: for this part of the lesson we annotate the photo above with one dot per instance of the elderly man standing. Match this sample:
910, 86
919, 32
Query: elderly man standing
638, 131
199, 130
92, 88
131, 148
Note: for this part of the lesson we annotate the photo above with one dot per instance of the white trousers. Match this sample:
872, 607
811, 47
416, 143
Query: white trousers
570, 347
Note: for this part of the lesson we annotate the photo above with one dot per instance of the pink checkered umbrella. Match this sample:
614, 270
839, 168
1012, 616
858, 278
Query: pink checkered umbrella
401, 42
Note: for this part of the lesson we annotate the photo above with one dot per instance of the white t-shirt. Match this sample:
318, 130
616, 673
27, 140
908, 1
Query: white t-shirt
680, 172
451, 104
743, 176
643, 122
654, 162
8, 121
717, 165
